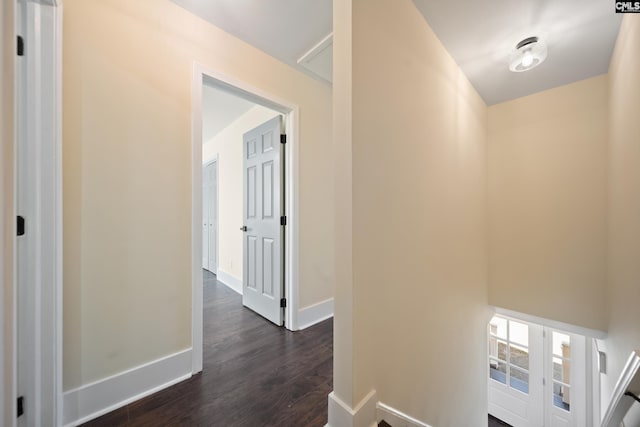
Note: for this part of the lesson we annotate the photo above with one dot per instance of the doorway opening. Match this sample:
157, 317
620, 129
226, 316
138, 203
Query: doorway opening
242, 199
244, 204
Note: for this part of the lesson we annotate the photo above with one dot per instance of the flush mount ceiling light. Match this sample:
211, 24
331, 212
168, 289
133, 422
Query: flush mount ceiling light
529, 53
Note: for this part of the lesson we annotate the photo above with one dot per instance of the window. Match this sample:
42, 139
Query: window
509, 353
561, 370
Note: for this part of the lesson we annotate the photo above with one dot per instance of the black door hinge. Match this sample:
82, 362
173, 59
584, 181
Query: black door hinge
283, 220
20, 406
283, 139
20, 226
20, 48
283, 302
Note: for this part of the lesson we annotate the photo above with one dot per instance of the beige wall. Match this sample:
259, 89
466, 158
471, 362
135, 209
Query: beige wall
228, 146
127, 209
343, 309
7, 219
547, 203
624, 207
419, 273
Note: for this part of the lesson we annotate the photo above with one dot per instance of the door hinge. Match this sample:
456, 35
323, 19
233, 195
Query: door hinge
20, 226
20, 48
544, 382
283, 302
20, 406
283, 139
283, 220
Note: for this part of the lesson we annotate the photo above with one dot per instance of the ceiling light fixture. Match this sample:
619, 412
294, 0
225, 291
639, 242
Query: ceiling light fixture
529, 53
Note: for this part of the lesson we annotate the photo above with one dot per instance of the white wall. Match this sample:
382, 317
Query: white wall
127, 71
624, 208
413, 165
547, 163
228, 145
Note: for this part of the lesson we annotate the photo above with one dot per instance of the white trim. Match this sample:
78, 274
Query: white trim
619, 404
396, 418
363, 415
196, 220
317, 49
93, 400
306, 60
59, 309
222, 81
591, 378
553, 324
232, 282
39, 199
316, 313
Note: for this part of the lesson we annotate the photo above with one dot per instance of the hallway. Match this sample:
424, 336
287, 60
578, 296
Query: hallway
255, 374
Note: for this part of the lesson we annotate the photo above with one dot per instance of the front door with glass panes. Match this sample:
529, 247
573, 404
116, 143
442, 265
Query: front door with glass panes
565, 379
536, 375
515, 361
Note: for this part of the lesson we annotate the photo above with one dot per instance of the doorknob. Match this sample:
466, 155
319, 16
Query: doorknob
243, 228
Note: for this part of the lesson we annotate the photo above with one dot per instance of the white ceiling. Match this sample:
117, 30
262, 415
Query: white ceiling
479, 35
285, 29
219, 110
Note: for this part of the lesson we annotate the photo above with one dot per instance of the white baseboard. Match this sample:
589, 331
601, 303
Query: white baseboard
93, 400
316, 313
363, 415
396, 418
233, 282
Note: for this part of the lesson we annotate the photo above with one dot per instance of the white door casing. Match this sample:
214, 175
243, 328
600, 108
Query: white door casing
39, 201
262, 241
206, 75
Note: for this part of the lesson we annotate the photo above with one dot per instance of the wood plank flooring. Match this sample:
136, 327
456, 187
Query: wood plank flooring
495, 422
255, 374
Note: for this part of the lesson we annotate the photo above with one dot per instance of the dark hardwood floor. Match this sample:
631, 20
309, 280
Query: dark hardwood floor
255, 374
495, 422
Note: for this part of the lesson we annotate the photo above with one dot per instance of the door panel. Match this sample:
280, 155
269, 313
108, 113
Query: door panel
251, 193
267, 190
262, 264
251, 261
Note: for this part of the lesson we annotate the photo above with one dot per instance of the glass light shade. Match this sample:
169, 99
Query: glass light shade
528, 55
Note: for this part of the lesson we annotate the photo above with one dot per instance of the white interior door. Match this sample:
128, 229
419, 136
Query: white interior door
262, 244
515, 372
213, 216
205, 218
